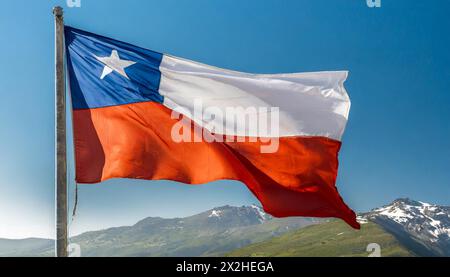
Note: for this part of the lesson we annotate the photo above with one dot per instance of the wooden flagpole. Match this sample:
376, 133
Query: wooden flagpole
61, 158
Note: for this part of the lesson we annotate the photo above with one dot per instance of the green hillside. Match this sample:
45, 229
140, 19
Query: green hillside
332, 239
32, 247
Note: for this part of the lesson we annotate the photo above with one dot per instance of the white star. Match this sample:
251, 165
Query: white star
114, 63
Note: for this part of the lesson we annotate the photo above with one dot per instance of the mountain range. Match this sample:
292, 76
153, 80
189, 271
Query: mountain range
422, 227
402, 228
211, 233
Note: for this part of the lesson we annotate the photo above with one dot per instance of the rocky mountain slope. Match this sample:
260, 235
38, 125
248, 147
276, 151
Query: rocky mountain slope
422, 227
403, 228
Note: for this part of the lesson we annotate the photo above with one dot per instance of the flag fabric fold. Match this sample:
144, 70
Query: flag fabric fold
136, 115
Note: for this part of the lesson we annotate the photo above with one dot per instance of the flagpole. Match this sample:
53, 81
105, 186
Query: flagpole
61, 158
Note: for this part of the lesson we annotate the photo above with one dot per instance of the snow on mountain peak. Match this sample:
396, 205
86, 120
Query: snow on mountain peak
361, 220
261, 214
419, 217
215, 213
251, 213
398, 214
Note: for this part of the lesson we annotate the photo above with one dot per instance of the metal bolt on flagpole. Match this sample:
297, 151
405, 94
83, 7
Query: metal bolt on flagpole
61, 159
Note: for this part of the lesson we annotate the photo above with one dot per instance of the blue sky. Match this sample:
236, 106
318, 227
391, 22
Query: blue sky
397, 141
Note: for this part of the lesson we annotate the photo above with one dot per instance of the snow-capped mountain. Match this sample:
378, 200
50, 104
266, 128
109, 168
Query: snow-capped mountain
253, 212
423, 227
410, 228
212, 232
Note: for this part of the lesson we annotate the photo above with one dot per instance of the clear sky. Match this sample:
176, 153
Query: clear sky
397, 141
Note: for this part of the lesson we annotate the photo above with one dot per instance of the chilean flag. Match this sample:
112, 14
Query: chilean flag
146, 115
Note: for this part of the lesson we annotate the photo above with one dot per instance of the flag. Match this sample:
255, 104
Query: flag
145, 115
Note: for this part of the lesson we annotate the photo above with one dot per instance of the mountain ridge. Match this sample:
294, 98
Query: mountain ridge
422, 226
403, 228
406, 228
210, 233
